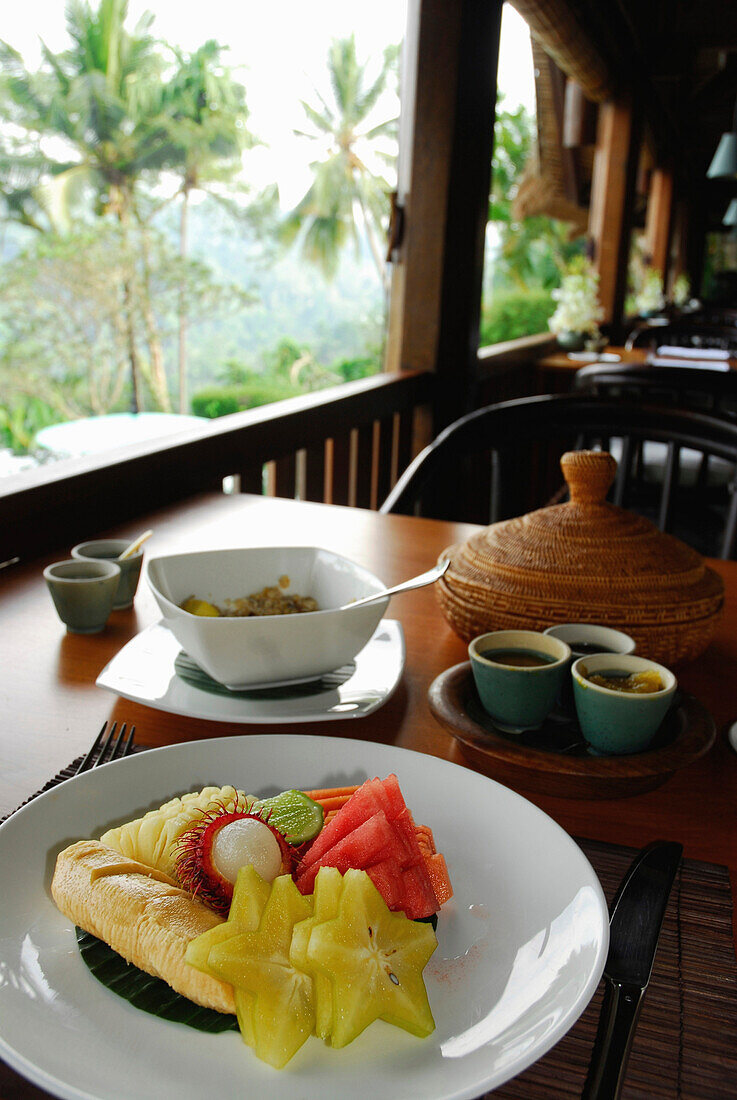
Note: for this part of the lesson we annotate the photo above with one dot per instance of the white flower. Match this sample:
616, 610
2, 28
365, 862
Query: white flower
651, 297
578, 308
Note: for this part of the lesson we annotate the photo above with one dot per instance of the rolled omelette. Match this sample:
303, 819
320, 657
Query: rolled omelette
141, 913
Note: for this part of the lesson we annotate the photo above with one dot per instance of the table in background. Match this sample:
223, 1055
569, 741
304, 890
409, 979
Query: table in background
554, 373
52, 708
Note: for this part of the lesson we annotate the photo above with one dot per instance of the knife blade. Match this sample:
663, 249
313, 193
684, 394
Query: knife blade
636, 917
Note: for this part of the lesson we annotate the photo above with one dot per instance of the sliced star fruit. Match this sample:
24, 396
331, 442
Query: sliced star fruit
282, 1014
328, 889
374, 959
250, 895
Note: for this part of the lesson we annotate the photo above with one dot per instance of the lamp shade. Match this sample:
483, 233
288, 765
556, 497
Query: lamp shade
724, 161
730, 218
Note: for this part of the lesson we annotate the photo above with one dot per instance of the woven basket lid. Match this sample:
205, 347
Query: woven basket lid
584, 561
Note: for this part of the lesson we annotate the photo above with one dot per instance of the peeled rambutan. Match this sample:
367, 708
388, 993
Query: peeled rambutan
210, 852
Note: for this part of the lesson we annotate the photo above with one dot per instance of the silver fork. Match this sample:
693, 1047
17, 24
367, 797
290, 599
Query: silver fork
114, 746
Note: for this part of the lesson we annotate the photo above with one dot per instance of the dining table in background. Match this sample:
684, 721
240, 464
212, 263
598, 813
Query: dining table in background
554, 372
52, 708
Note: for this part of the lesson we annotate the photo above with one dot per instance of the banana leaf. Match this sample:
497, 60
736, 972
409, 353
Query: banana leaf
149, 994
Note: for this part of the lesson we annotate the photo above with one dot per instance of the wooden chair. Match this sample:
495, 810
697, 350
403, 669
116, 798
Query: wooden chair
503, 460
711, 390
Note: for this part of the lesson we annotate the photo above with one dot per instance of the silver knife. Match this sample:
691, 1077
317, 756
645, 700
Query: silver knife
634, 927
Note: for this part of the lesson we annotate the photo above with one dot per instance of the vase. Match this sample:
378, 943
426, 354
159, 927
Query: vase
572, 341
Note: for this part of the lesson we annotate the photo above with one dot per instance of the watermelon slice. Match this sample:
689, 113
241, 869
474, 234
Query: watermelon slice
374, 832
371, 842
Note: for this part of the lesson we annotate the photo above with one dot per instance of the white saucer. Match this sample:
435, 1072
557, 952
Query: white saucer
152, 669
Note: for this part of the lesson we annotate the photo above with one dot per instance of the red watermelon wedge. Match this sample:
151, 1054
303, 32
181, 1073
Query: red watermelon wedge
358, 836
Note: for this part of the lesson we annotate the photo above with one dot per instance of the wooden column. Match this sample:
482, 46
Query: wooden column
658, 219
446, 144
610, 212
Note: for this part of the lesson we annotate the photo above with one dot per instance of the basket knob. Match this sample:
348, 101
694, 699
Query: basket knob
589, 475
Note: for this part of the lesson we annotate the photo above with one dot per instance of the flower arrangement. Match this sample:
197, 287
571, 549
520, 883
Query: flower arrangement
681, 292
650, 298
578, 310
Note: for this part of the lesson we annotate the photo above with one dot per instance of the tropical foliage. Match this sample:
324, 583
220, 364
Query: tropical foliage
524, 257
101, 123
349, 198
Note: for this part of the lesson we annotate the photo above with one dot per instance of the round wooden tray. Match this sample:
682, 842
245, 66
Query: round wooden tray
555, 759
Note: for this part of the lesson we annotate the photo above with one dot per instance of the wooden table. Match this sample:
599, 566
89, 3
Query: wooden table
555, 372
51, 708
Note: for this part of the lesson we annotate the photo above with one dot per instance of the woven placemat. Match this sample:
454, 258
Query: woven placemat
685, 1046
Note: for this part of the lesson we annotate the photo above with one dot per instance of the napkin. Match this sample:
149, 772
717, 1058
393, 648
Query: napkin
694, 353
668, 361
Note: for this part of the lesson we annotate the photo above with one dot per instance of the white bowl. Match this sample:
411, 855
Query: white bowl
246, 652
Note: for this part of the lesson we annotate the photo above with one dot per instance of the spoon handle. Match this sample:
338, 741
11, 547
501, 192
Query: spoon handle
416, 582
134, 546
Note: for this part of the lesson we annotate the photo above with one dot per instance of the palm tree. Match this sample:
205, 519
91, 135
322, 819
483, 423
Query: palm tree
206, 119
347, 199
102, 98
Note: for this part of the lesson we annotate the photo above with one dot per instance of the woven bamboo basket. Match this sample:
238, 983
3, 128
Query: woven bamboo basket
584, 561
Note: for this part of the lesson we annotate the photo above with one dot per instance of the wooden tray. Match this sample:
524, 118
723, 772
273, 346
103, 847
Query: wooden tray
555, 759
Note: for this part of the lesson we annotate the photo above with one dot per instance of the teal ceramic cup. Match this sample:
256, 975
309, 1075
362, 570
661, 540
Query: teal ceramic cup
83, 593
584, 640
615, 723
130, 569
518, 696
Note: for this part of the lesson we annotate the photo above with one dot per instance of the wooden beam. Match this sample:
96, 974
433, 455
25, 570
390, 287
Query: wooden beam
446, 146
658, 219
610, 212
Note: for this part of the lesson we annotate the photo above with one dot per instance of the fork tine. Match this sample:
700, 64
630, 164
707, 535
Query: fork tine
124, 744
86, 764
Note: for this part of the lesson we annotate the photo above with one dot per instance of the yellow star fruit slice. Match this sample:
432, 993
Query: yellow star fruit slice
250, 895
328, 889
374, 959
151, 839
283, 1013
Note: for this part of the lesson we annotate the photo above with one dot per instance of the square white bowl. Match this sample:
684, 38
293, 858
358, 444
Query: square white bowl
246, 652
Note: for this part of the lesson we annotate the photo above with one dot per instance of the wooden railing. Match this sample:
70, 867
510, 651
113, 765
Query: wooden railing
345, 445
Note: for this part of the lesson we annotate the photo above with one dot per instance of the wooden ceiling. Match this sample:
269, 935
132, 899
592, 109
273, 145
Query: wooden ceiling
677, 57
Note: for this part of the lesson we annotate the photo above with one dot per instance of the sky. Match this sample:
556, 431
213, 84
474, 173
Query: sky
268, 43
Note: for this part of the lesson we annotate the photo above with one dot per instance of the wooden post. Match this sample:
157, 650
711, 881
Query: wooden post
658, 219
610, 212
446, 144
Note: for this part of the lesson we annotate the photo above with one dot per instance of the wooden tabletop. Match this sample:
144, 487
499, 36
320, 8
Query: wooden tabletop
561, 361
51, 707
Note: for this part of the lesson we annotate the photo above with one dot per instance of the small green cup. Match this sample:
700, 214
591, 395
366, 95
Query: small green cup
83, 593
130, 568
518, 697
616, 723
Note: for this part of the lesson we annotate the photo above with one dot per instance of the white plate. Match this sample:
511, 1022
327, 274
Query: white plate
522, 944
145, 671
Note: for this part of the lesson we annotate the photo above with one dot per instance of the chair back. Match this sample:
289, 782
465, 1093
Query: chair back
504, 460
701, 389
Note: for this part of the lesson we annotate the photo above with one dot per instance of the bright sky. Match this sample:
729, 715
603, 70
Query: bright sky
271, 42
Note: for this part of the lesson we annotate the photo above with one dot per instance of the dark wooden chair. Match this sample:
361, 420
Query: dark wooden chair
711, 390
504, 460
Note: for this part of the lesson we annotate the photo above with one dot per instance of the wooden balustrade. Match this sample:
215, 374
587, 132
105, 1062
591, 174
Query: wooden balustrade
345, 445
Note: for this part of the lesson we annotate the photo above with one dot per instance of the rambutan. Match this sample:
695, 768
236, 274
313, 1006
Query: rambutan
210, 852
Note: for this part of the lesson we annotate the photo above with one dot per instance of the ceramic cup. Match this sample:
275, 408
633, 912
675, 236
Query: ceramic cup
518, 697
83, 592
130, 569
581, 637
614, 722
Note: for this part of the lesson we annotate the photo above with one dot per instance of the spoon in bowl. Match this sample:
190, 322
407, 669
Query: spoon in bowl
415, 582
135, 546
